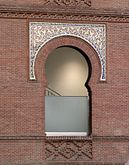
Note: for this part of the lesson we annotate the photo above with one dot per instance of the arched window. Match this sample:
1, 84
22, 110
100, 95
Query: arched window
67, 98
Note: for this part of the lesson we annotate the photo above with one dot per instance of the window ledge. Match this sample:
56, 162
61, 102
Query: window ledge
67, 136
66, 133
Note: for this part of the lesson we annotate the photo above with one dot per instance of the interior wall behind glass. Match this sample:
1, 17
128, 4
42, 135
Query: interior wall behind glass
67, 72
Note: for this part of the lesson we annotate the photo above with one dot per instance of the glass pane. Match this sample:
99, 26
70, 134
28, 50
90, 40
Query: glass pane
66, 114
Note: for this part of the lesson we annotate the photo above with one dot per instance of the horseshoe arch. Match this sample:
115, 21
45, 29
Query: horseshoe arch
42, 32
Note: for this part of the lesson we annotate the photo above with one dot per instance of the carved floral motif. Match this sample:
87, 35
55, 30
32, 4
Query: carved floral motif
43, 32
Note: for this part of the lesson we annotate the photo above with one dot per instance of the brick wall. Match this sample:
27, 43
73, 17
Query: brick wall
21, 105
22, 101
21, 152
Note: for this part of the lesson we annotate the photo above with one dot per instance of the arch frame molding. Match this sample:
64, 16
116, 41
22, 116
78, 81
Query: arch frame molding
41, 33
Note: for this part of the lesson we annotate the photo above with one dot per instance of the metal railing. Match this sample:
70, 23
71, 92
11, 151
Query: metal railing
51, 92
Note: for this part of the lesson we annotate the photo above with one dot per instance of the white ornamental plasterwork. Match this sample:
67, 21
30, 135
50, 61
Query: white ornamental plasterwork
43, 32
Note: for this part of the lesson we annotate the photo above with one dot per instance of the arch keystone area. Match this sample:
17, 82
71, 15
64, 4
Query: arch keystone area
42, 32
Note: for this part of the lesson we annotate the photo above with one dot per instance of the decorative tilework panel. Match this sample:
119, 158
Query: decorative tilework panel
73, 150
43, 32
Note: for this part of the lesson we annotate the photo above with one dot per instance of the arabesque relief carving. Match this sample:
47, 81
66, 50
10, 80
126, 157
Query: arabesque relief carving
72, 150
65, 3
43, 32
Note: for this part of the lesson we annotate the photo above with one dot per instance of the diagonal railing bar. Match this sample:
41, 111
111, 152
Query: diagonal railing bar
51, 92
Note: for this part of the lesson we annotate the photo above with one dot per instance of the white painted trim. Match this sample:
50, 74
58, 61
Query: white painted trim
66, 133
